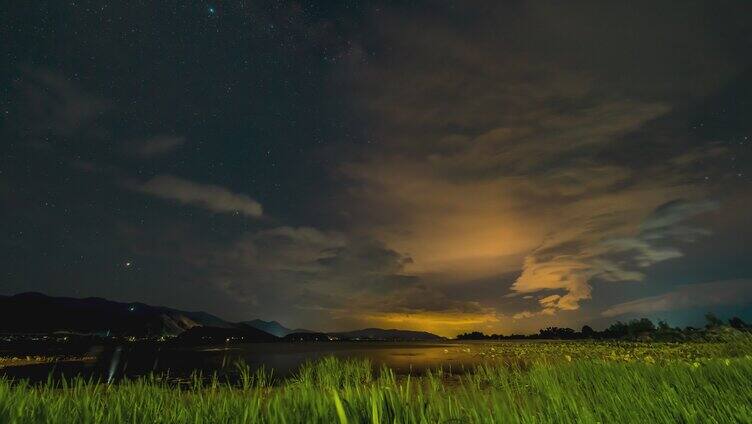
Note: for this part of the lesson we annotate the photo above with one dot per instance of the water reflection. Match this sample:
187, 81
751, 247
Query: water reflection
283, 358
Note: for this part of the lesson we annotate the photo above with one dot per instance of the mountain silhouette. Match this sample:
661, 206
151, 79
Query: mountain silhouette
217, 335
36, 313
39, 313
387, 335
274, 327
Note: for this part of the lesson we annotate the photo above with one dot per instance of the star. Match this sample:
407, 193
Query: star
128, 264
212, 10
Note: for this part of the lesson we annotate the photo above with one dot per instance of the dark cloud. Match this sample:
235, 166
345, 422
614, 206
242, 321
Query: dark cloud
48, 104
704, 295
426, 299
322, 275
665, 217
319, 260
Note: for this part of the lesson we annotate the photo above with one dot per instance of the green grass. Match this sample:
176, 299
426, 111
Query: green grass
585, 382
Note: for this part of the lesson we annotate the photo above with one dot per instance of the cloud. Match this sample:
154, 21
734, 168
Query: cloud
324, 279
210, 197
466, 186
494, 156
326, 261
570, 262
158, 145
704, 295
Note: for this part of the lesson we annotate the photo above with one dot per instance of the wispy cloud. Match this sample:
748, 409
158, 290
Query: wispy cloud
210, 197
157, 145
713, 294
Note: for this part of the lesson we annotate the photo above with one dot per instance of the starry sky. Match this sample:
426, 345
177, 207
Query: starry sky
444, 166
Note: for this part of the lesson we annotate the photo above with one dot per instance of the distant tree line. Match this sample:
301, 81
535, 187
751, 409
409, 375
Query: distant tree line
642, 328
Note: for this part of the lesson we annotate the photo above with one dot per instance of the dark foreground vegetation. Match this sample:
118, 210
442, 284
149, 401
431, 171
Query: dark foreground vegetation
585, 381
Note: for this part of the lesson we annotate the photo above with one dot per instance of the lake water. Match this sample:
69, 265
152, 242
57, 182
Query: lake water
283, 358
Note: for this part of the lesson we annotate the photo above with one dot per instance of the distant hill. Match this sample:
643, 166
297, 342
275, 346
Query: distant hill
217, 335
391, 335
273, 327
39, 313
306, 337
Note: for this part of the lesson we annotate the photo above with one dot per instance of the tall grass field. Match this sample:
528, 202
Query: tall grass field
520, 382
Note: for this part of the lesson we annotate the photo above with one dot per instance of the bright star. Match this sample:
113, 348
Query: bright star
212, 9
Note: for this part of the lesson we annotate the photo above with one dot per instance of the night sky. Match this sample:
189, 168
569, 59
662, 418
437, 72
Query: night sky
445, 166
